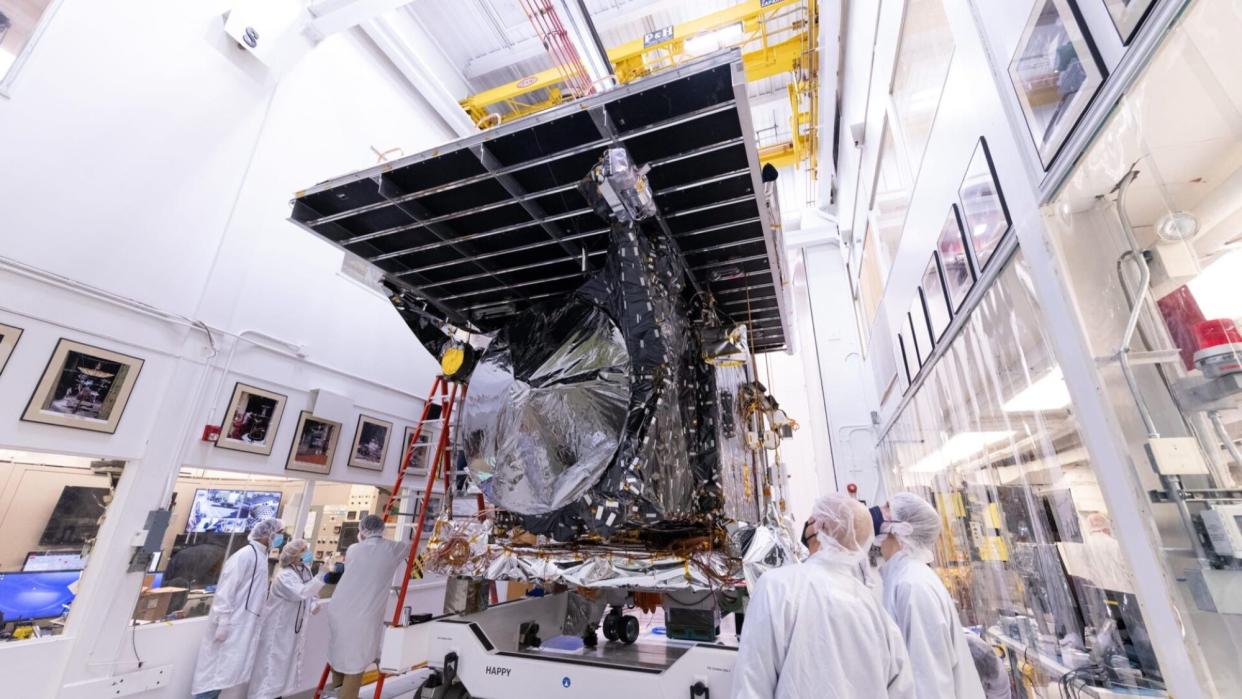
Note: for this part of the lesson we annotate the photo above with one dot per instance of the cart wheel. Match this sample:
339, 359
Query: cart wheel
589, 638
610, 627
629, 629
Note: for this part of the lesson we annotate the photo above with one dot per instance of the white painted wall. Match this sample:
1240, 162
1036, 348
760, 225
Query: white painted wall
147, 157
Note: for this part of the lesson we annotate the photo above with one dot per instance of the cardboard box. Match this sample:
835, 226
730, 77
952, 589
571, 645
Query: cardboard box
153, 604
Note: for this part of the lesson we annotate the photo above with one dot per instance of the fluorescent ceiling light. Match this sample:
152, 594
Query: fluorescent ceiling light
707, 42
1216, 287
960, 447
1049, 392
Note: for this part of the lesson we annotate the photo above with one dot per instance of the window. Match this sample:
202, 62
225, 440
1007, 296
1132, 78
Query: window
1178, 124
335, 513
923, 59
51, 508
212, 514
871, 280
20, 23
885, 221
1029, 552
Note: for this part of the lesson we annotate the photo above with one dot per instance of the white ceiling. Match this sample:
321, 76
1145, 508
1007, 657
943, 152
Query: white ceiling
493, 42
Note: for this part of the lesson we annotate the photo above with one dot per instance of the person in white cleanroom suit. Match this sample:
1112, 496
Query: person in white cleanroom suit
356, 612
814, 629
919, 602
226, 655
289, 604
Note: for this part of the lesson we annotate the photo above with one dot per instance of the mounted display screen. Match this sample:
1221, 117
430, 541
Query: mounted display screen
230, 511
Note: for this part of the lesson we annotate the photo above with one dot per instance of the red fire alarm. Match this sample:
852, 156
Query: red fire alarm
852, 488
211, 433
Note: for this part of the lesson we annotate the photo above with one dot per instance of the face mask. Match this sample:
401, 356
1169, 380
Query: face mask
877, 519
278, 541
307, 557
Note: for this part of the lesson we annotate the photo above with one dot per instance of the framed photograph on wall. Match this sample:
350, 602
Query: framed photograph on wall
1056, 71
919, 330
9, 336
83, 387
985, 215
314, 444
422, 451
251, 421
935, 300
370, 443
903, 361
954, 253
1128, 15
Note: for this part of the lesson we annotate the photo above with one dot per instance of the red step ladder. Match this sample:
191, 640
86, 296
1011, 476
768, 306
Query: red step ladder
448, 392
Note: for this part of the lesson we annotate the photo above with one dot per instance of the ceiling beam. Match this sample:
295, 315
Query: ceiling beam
532, 48
420, 70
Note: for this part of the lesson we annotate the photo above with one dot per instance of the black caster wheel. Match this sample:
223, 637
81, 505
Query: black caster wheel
628, 633
611, 624
590, 639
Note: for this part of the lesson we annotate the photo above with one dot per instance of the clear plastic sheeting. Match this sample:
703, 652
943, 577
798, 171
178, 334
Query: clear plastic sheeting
547, 407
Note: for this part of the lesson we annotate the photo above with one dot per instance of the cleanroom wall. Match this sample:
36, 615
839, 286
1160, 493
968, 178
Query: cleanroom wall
1030, 551
145, 190
979, 99
1178, 128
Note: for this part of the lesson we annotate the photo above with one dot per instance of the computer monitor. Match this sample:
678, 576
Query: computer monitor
47, 561
230, 511
31, 596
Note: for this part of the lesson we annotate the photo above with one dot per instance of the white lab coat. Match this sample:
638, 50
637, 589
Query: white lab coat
238, 602
282, 638
939, 653
356, 612
815, 631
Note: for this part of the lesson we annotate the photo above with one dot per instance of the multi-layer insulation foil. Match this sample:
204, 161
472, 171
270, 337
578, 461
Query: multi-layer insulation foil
598, 413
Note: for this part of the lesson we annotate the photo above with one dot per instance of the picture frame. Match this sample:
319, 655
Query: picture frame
1128, 16
370, 447
422, 454
1056, 71
984, 213
9, 335
953, 249
920, 331
251, 420
908, 358
83, 387
935, 298
434, 505
314, 444
903, 368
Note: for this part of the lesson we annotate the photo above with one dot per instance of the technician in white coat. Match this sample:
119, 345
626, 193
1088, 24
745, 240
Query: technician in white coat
290, 601
226, 655
815, 630
919, 602
356, 611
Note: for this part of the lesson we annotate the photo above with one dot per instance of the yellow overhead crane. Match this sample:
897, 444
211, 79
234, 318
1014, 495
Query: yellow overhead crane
776, 36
